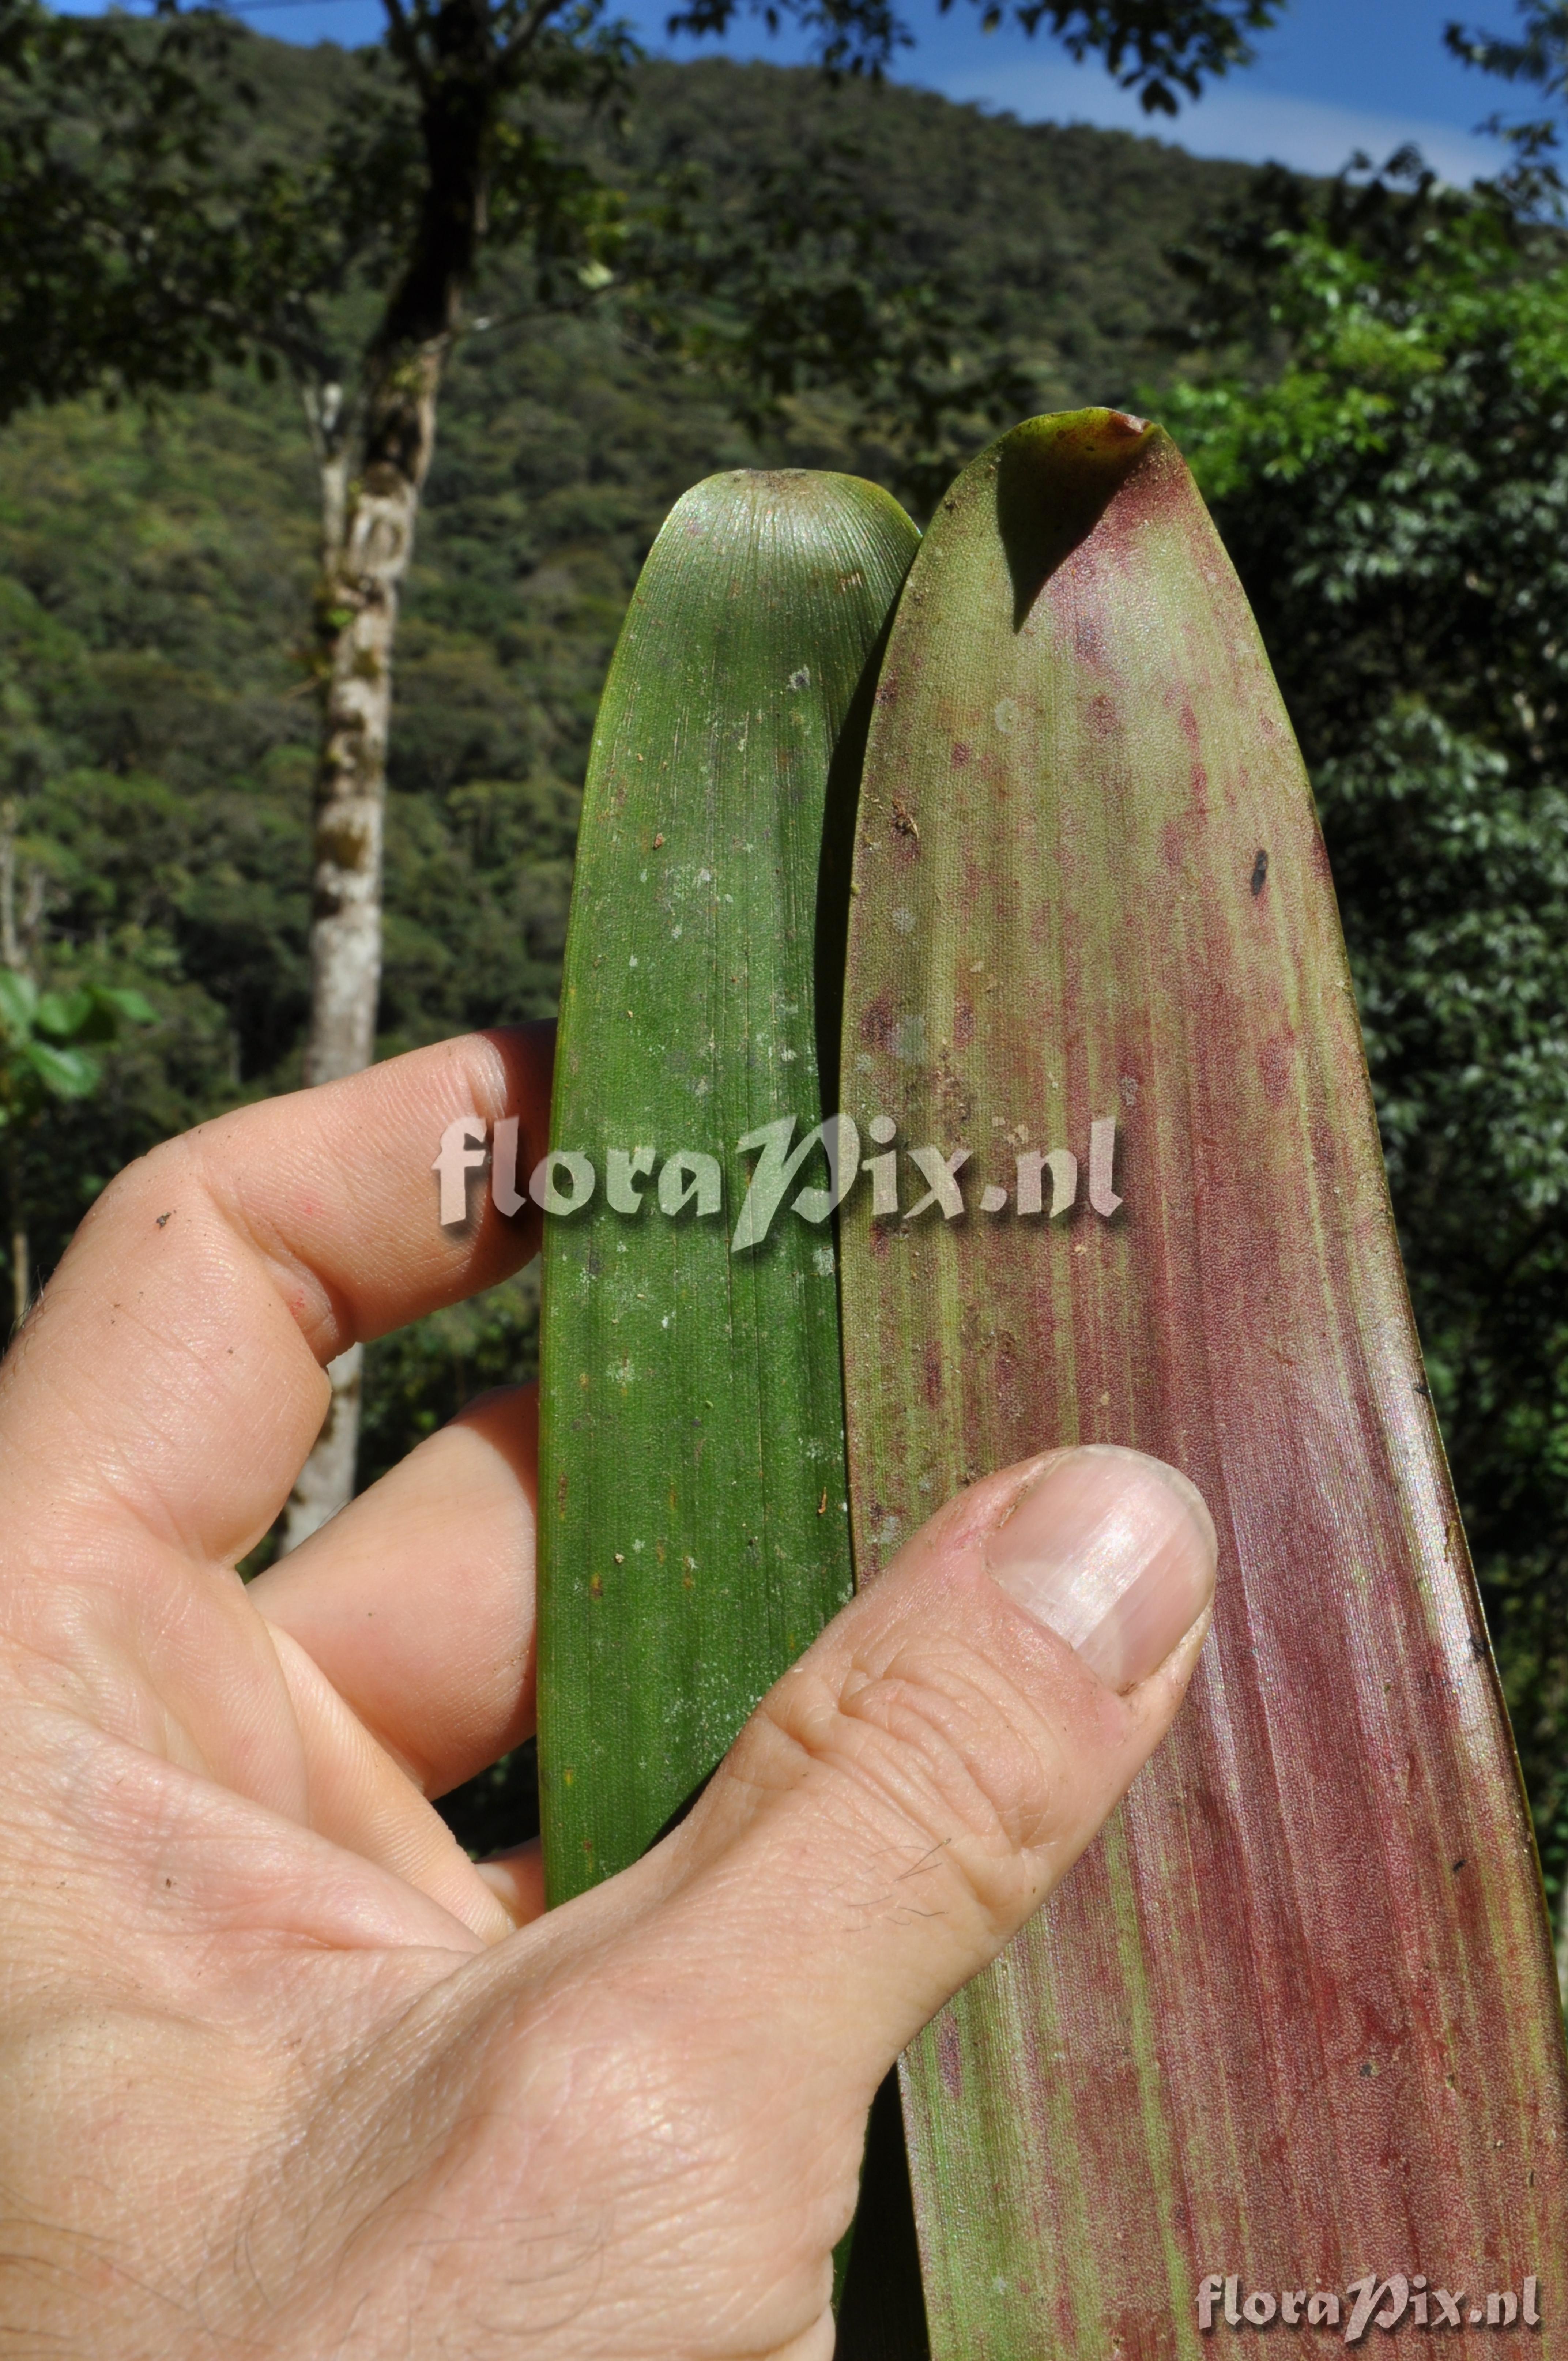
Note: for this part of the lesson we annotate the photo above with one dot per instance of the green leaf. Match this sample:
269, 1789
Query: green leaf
67, 1074
124, 1002
1293, 2017
110, 1007
18, 998
63, 1015
694, 1535
92, 1012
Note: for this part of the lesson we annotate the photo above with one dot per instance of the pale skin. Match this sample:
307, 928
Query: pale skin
283, 2073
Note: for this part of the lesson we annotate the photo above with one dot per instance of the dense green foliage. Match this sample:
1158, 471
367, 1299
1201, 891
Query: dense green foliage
161, 215
115, 271
42, 1059
880, 278
1395, 498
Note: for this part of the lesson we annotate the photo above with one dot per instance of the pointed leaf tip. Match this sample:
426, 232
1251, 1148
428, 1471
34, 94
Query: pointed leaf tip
1052, 480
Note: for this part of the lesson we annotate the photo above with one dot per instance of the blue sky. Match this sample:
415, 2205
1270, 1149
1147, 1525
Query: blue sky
1334, 76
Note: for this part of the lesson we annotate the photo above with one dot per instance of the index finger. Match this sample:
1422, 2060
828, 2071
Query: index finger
173, 1373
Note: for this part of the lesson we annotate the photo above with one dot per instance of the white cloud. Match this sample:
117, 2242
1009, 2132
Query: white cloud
1253, 125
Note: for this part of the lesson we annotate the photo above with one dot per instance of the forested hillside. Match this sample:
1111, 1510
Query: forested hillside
155, 574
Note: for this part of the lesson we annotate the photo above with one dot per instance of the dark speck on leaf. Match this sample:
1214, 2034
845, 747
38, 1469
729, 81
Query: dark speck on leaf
1458, 1865
1259, 874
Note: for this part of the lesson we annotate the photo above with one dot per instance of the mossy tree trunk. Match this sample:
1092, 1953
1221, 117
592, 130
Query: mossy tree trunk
374, 454
367, 540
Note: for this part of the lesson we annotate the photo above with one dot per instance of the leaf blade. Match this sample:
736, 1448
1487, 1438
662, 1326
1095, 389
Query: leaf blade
66, 1073
1265, 1978
693, 1535
18, 998
63, 1015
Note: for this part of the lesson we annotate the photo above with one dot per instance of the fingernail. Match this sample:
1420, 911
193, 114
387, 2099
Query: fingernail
1114, 1552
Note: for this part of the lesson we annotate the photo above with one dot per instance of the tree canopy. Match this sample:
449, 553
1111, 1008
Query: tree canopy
147, 233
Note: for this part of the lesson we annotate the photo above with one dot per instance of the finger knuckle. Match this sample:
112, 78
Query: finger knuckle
938, 1750
126, 1192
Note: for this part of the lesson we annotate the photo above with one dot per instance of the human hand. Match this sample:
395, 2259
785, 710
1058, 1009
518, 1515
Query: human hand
285, 2074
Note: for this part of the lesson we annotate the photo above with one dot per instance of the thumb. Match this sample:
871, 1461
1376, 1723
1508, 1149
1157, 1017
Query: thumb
916, 1785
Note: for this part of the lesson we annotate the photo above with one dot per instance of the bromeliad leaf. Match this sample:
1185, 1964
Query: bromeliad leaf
693, 1533
1293, 2019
